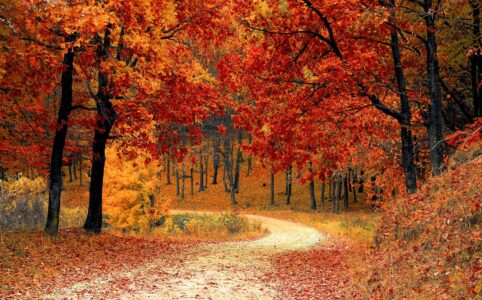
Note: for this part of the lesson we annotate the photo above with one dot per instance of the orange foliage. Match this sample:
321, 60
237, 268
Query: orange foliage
429, 244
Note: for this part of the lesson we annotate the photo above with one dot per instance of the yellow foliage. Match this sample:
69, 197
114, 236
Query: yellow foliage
23, 185
131, 193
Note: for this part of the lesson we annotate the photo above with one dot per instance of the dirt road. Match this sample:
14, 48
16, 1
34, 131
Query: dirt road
233, 270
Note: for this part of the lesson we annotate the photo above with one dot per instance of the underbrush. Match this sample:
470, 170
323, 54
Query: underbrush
225, 226
23, 203
429, 244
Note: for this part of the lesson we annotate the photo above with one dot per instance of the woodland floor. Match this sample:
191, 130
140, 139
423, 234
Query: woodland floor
277, 266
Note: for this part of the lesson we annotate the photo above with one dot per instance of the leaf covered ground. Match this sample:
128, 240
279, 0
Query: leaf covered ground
32, 265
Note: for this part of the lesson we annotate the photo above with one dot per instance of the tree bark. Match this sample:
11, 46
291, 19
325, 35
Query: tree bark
206, 177
71, 179
271, 202
322, 196
361, 181
55, 180
476, 59
345, 191
239, 158
333, 193
201, 171
168, 167
178, 185
338, 192
183, 182
312, 187
289, 184
216, 161
75, 168
192, 181
106, 117
81, 158
408, 157
436, 118
250, 140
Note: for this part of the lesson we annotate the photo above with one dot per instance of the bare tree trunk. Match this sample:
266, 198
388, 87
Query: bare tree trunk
206, 164
333, 193
250, 140
272, 188
75, 168
176, 171
216, 160
312, 187
55, 179
229, 171
361, 181
80, 169
338, 191
345, 191
289, 184
475, 59
436, 118
192, 181
71, 179
183, 181
239, 158
201, 171
168, 166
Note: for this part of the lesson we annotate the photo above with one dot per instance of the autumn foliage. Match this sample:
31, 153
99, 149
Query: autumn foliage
113, 112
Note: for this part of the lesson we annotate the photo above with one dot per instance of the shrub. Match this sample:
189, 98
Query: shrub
132, 200
23, 203
223, 226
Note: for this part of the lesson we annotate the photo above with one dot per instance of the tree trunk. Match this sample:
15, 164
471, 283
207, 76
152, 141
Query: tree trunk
338, 192
75, 168
289, 184
322, 200
250, 140
229, 171
361, 181
272, 188
436, 118
71, 179
216, 161
183, 182
408, 157
475, 59
345, 191
239, 158
354, 195
55, 180
168, 167
201, 172
349, 177
312, 187
333, 193
206, 177
176, 174
192, 181
80, 169
106, 117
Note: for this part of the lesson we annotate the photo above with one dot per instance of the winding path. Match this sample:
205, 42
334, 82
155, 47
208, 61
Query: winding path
232, 270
